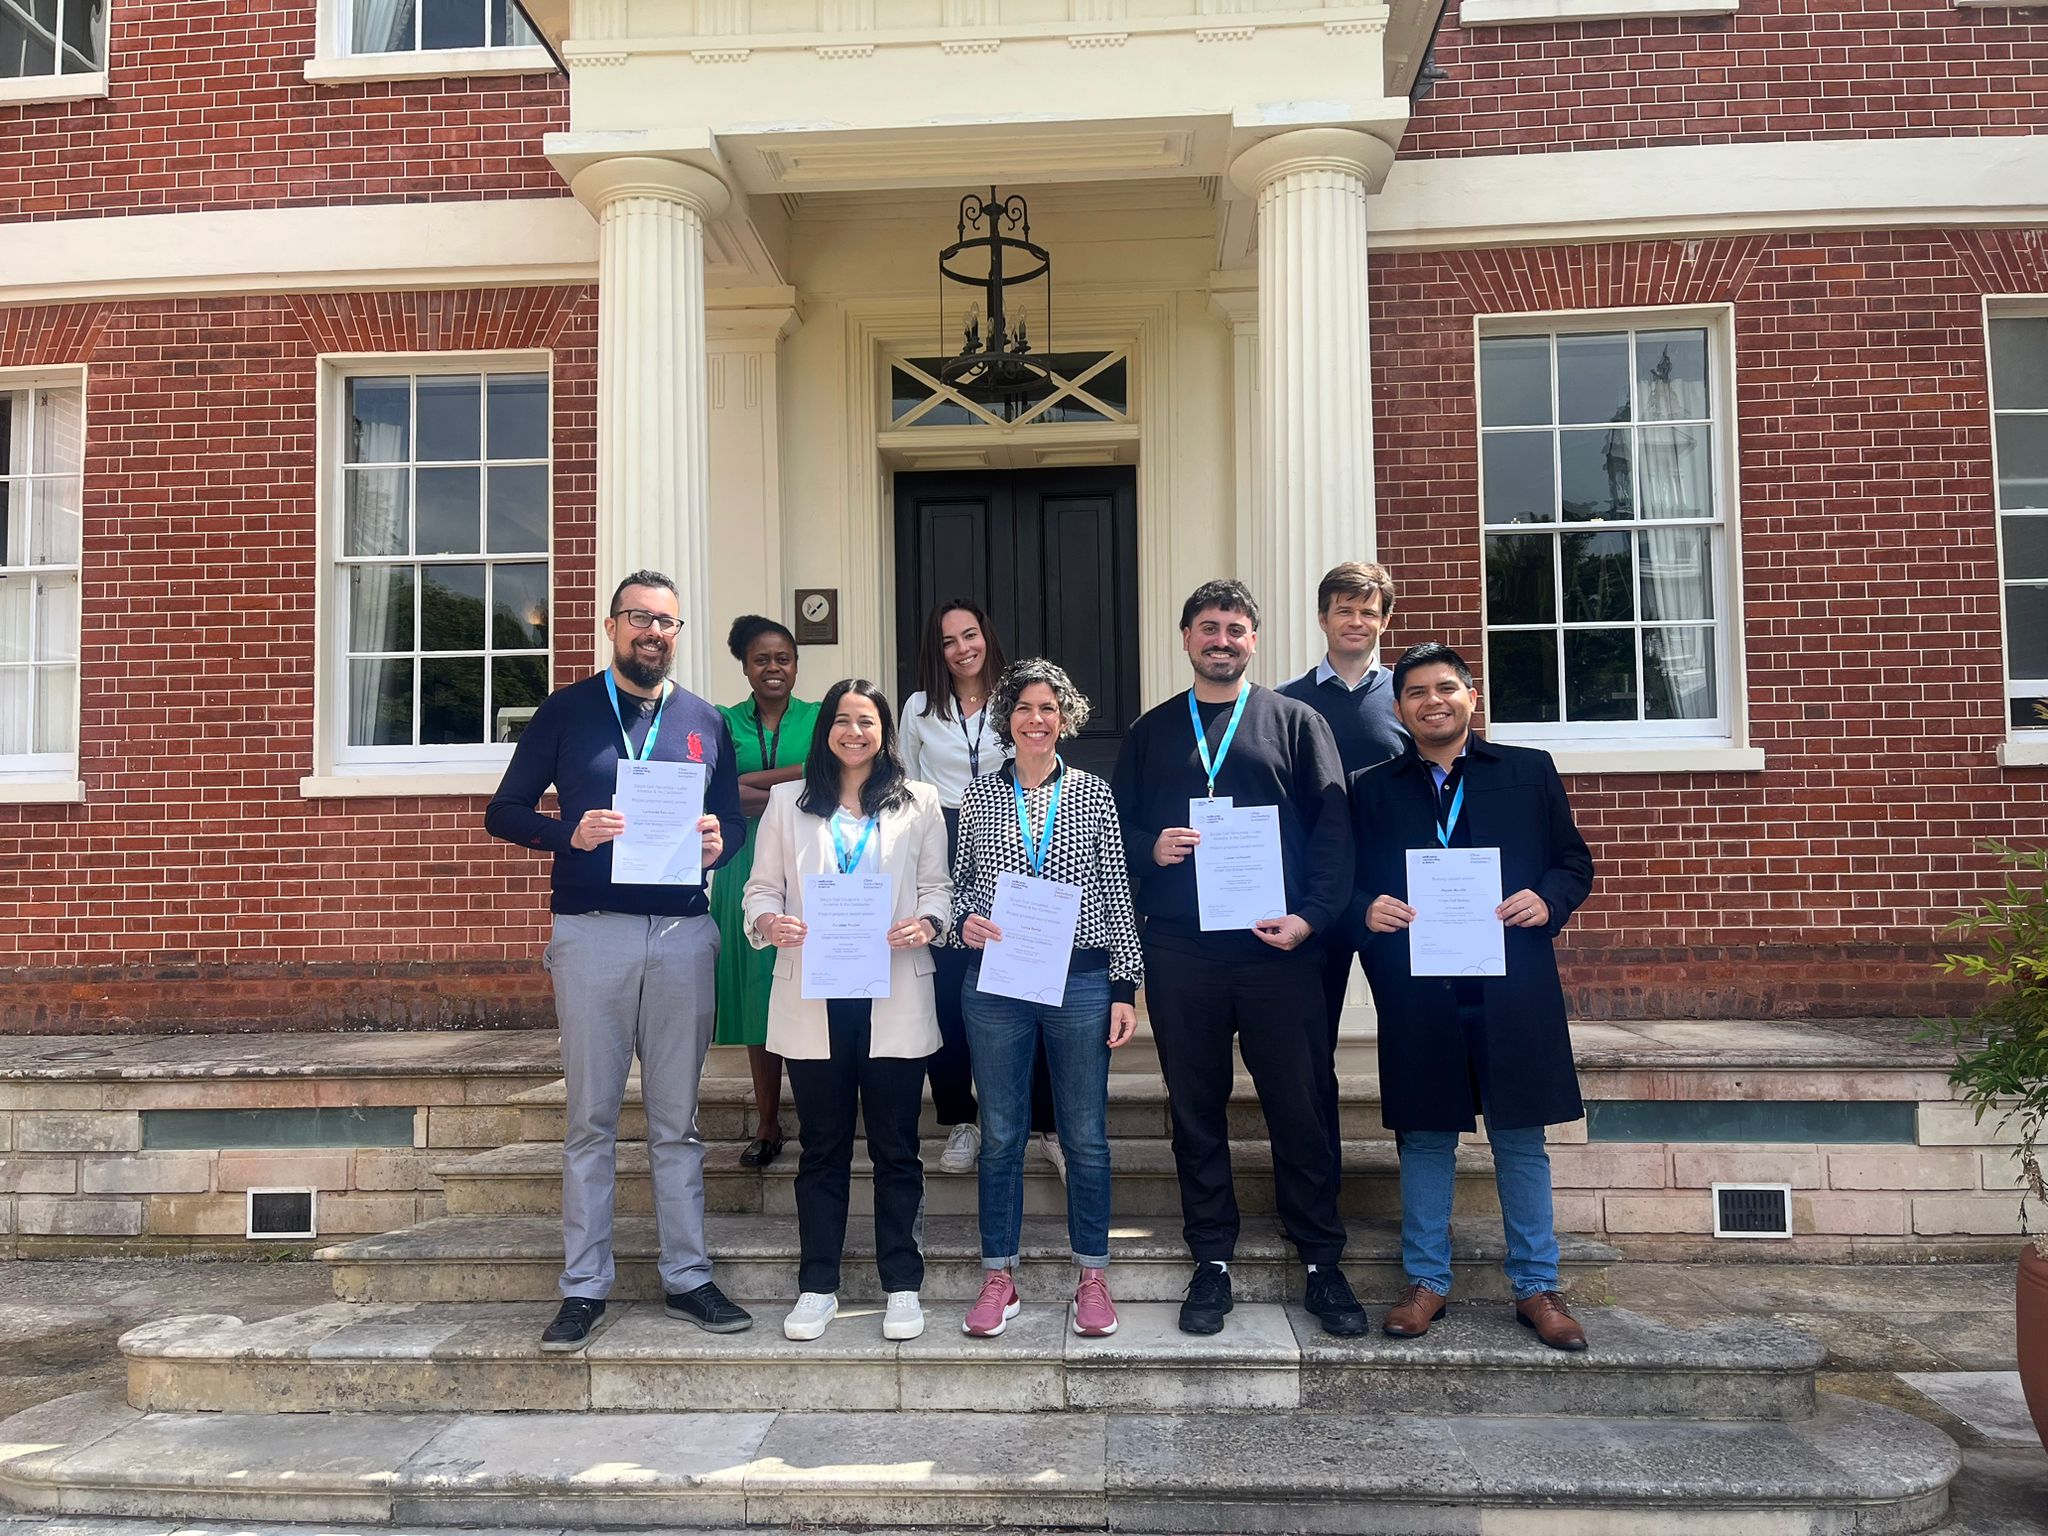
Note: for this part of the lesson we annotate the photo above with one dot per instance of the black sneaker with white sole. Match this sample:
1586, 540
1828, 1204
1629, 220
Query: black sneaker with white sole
708, 1308
571, 1328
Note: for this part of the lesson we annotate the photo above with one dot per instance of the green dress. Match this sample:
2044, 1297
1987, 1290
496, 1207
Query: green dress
744, 972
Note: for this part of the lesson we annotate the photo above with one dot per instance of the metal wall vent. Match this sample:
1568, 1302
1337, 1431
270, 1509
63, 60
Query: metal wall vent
1752, 1210
281, 1213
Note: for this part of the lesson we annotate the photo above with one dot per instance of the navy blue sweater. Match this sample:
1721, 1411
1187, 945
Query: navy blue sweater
1362, 720
573, 743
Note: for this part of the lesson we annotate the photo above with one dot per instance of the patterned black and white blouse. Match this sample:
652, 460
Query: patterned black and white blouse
1087, 850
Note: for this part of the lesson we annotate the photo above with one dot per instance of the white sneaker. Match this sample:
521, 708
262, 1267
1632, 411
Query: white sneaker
1049, 1144
963, 1146
905, 1319
807, 1319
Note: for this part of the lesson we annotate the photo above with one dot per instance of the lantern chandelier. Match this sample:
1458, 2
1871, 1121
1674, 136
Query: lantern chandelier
993, 253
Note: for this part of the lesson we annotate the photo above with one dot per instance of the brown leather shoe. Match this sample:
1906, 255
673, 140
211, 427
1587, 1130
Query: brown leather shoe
1556, 1327
1410, 1317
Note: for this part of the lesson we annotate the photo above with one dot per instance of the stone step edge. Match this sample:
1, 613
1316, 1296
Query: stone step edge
1125, 1087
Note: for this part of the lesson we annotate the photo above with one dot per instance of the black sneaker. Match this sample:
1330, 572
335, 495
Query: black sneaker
1329, 1298
707, 1307
572, 1325
1208, 1298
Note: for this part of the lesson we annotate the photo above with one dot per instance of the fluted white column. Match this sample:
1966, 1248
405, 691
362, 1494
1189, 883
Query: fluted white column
653, 410
1314, 479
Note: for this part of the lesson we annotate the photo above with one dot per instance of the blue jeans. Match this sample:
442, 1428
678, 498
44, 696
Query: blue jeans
1003, 1035
1521, 1172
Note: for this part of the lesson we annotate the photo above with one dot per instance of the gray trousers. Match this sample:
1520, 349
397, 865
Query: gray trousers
627, 985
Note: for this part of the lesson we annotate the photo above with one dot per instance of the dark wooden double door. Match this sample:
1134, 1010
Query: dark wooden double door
1052, 555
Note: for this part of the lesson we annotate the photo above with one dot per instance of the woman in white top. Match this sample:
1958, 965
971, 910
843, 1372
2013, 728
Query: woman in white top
854, 812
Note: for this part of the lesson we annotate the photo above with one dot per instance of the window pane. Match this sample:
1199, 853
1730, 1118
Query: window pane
1596, 475
452, 611
1520, 485
519, 415
2019, 364
1514, 381
373, 512
449, 514
57, 619
380, 608
1677, 573
1599, 578
382, 26
1070, 408
60, 431
508, 26
1592, 378
452, 24
54, 520
24, 52
1671, 375
1112, 386
2026, 631
1521, 678
2028, 714
1678, 674
1600, 674
451, 418
17, 686
14, 409
1521, 579
451, 700
2026, 547
518, 684
906, 393
17, 607
2022, 462
56, 710
379, 421
84, 25
519, 509
380, 703
1675, 472
519, 607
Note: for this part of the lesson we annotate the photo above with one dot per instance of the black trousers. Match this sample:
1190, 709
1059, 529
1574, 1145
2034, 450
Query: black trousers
888, 1092
1274, 1009
1338, 954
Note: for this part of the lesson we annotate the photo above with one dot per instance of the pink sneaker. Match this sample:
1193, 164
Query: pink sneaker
994, 1307
1094, 1314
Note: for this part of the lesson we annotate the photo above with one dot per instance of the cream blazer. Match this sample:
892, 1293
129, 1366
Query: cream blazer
792, 844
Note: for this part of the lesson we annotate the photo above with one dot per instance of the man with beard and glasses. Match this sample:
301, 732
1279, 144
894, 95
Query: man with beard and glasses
1227, 740
634, 965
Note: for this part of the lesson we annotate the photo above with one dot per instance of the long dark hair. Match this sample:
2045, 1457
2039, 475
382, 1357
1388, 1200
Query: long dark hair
887, 786
934, 676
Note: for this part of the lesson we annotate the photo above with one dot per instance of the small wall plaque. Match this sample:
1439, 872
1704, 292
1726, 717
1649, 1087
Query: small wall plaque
817, 616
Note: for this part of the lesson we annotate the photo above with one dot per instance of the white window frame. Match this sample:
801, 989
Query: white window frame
1675, 746
1508, 13
40, 778
2021, 748
333, 62
88, 86
339, 769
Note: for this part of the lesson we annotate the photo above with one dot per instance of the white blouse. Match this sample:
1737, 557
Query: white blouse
942, 753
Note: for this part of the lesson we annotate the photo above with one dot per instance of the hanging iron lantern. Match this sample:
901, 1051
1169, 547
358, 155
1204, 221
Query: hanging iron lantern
993, 252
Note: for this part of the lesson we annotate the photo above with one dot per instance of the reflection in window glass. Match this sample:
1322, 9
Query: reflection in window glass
52, 37
42, 444
2019, 416
405, 26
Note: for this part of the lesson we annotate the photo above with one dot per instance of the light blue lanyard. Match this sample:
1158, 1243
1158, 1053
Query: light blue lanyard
653, 731
1037, 849
1202, 739
848, 863
1444, 829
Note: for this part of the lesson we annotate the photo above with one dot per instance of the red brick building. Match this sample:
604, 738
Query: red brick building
1687, 362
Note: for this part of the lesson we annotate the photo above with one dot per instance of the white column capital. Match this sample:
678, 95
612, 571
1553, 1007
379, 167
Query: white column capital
605, 181
1344, 150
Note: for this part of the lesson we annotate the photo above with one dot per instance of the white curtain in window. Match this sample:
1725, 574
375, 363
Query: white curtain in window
382, 26
381, 443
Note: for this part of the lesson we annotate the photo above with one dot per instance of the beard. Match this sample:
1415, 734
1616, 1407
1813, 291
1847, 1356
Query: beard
641, 672
1221, 669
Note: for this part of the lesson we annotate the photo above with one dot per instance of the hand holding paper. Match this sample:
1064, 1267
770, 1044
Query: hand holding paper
1457, 931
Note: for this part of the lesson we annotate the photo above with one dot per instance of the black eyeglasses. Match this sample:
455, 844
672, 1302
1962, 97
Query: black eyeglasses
644, 618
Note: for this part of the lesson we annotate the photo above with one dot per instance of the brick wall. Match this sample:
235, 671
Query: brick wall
195, 886
209, 108
1776, 70
1871, 608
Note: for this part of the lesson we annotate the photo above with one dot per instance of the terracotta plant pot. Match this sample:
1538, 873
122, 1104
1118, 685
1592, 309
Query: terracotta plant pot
2033, 1336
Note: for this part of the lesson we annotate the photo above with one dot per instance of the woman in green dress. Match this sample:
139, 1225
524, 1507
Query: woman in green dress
771, 735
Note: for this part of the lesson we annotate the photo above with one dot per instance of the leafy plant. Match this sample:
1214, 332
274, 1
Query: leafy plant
2002, 1049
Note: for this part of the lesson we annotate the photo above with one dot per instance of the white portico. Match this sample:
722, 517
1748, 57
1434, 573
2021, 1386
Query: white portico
772, 181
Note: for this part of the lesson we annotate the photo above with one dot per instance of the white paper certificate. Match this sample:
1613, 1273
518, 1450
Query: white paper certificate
1238, 879
846, 939
1454, 892
662, 803
1038, 919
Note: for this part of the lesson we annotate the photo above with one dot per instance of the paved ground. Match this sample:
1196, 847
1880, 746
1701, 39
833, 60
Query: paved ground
1949, 1327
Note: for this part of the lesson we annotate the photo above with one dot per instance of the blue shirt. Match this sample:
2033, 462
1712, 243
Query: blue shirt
1361, 718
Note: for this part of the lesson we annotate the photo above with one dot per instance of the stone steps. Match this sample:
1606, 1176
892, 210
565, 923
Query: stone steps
525, 1179
519, 1258
479, 1357
1850, 1467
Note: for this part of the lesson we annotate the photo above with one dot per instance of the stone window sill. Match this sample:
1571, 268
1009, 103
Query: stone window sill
429, 64
41, 791
33, 88
2024, 752
1505, 13
1592, 759
337, 786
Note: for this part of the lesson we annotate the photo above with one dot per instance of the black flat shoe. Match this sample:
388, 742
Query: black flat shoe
1330, 1298
708, 1308
571, 1328
1208, 1299
761, 1151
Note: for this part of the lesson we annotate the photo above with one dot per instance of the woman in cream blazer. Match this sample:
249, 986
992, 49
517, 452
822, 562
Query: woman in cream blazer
854, 812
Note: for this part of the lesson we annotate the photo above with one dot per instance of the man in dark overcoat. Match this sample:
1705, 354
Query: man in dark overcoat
1453, 1048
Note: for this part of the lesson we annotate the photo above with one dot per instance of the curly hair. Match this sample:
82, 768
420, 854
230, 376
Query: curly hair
1020, 675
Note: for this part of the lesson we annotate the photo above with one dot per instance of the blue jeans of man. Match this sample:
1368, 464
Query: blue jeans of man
1521, 1173
1004, 1034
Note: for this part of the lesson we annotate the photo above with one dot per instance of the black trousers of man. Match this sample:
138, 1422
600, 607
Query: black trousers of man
888, 1093
1272, 1009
